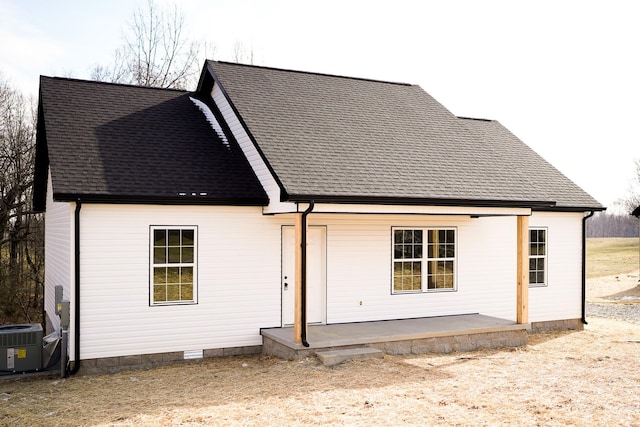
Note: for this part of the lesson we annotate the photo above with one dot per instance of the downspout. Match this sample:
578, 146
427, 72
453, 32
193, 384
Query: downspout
76, 317
584, 267
304, 274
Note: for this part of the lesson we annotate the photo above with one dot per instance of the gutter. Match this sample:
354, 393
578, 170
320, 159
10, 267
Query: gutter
584, 267
304, 274
417, 201
636, 213
76, 317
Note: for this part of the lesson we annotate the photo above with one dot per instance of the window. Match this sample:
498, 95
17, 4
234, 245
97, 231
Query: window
537, 257
423, 256
173, 265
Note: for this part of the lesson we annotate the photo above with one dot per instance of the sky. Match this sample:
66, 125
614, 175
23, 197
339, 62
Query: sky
562, 75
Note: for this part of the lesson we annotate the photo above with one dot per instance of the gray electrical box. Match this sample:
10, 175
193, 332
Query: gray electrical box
21, 348
59, 294
65, 314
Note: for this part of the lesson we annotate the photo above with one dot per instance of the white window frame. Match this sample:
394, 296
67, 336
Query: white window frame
424, 259
543, 257
167, 264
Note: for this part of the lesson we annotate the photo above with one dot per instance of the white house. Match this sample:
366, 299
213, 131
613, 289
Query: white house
171, 217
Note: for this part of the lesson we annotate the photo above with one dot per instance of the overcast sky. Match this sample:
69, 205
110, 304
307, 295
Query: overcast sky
563, 76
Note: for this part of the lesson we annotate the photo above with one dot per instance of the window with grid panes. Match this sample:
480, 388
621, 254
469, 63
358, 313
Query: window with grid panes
173, 265
537, 257
423, 259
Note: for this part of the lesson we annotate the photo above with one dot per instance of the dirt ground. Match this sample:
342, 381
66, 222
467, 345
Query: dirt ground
618, 288
588, 378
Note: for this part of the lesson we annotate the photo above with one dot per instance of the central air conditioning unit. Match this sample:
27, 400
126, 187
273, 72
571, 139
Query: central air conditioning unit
20, 348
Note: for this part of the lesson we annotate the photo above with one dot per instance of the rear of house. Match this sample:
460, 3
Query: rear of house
172, 217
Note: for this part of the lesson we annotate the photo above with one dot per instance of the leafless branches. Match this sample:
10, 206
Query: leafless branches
21, 232
632, 201
156, 51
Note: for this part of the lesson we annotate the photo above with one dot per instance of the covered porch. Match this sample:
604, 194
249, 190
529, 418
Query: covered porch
443, 334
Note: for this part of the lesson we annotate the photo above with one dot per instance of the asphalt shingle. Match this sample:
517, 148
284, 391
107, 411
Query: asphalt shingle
128, 143
356, 139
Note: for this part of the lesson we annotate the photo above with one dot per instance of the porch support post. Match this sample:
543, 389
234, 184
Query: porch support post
297, 311
522, 298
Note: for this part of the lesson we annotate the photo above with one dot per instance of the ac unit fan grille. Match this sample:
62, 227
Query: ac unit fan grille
17, 339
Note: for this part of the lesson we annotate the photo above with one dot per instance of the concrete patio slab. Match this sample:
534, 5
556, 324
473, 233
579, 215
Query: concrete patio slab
429, 334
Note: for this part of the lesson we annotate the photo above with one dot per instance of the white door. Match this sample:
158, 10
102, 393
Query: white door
316, 274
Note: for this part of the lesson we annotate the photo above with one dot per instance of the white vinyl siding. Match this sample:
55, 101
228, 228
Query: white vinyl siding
562, 298
240, 280
58, 242
359, 268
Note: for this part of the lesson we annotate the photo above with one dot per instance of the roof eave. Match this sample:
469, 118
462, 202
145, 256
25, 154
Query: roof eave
415, 201
186, 200
572, 209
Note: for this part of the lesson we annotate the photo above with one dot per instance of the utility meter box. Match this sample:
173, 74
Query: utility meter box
21, 348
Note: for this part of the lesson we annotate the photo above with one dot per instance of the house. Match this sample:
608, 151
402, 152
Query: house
186, 222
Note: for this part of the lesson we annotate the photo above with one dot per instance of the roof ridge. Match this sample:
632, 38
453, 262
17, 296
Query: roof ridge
312, 73
101, 82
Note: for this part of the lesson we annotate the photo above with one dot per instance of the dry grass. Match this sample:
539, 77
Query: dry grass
610, 256
612, 270
581, 378
561, 378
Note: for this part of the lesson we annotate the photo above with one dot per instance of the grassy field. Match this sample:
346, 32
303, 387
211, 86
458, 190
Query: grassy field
609, 256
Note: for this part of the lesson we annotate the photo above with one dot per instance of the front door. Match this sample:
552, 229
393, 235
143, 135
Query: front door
316, 274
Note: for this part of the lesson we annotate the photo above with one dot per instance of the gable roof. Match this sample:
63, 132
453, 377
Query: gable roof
118, 143
341, 139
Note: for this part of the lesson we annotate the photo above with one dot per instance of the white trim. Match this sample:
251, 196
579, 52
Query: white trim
317, 257
211, 119
250, 151
193, 265
543, 257
424, 260
422, 210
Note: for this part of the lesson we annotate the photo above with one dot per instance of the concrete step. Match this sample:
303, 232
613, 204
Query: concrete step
335, 357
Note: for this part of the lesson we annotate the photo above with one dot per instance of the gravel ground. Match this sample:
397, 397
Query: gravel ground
627, 312
614, 297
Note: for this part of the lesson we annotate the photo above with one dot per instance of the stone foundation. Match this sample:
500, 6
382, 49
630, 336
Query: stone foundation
443, 344
110, 365
557, 325
440, 344
456, 343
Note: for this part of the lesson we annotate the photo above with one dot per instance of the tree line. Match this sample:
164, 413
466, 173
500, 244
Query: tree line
604, 224
21, 230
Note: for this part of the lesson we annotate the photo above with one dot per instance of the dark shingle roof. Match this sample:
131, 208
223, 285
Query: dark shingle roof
108, 141
348, 139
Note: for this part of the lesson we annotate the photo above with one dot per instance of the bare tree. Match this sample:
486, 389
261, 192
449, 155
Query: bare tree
21, 231
632, 200
156, 52
241, 54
